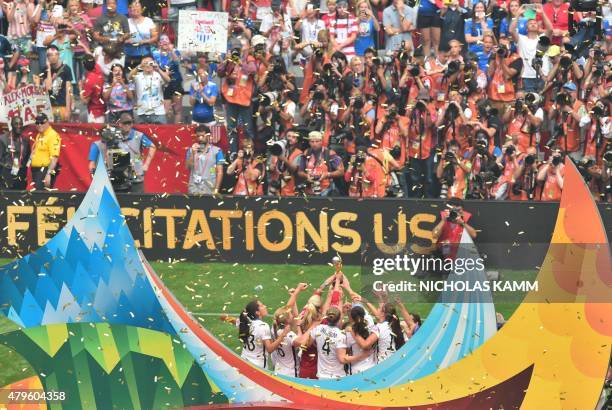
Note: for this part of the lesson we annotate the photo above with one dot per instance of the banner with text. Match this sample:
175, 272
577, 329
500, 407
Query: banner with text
25, 102
280, 230
202, 31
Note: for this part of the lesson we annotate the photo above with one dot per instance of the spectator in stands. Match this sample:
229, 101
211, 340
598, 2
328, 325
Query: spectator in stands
309, 25
318, 167
397, 21
111, 27
203, 96
205, 164
238, 73
557, 13
149, 81
90, 90
118, 94
44, 160
168, 59
45, 28
367, 28
14, 155
428, 24
107, 56
81, 24
533, 69
276, 27
57, 80
453, 24
249, 171
343, 30
477, 27
9, 55
21, 14
63, 39
143, 35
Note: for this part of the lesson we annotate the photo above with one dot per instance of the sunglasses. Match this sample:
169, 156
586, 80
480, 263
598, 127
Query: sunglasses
127, 122
40, 123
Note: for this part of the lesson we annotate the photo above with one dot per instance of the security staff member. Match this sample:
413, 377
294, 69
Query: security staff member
45, 154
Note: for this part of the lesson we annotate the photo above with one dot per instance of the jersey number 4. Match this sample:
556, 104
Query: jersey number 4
325, 347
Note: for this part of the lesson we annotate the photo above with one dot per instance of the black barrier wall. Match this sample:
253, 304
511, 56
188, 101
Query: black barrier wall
281, 230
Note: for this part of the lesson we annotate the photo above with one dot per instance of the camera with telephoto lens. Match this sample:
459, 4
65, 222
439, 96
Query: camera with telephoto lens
556, 159
266, 99
358, 103
530, 160
450, 157
598, 109
414, 70
318, 96
565, 62
510, 150
360, 158
235, 54
520, 106
396, 152
541, 49
274, 186
502, 51
563, 100
452, 68
453, 214
583, 167
277, 147
481, 147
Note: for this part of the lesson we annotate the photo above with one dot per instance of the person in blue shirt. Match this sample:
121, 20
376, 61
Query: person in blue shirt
513, 12
169, 59
476, 27
367, 28
429, 25
202, 96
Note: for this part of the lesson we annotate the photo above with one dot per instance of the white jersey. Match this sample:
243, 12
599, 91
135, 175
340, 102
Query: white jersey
328, 339
285, 357
365, 364
254, 350
386, 341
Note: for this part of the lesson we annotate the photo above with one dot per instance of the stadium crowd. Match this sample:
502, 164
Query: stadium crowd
444, 98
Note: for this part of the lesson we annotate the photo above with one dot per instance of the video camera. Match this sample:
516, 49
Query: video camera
118, 160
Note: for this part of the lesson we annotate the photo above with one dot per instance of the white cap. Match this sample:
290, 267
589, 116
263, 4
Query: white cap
58, 11
258, 40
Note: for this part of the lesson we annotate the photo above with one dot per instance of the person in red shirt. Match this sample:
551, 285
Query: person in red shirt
90, 90
557, 13
447, 233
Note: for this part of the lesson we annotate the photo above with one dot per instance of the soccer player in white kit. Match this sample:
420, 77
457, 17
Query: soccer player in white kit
331, 346
286, 358
387, 334
362, 325
255, 334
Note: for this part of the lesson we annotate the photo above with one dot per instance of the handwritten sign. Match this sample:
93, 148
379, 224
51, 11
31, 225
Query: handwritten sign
202, 31
25, 102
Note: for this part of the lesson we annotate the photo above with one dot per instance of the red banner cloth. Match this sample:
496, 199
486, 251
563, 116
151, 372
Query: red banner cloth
167, 172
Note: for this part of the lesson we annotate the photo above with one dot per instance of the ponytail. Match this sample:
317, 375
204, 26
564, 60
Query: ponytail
394, 323
333, 316
360, 326
246, 317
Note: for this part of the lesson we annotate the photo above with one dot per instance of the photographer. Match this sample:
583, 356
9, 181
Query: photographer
485, 167
283, 164
598, 131
367, 172
596, 72
504, 71
564, 69
452, 172
358, 120
508, 164
14, 155
375, 81
205, 164
318, 167
451, 121
527, 45
128, 140
320, 112
597, 177
568, 115
524, 186
454, 220
249, 171
551, 173
523, 121
238, 73
419, 169
391, 133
